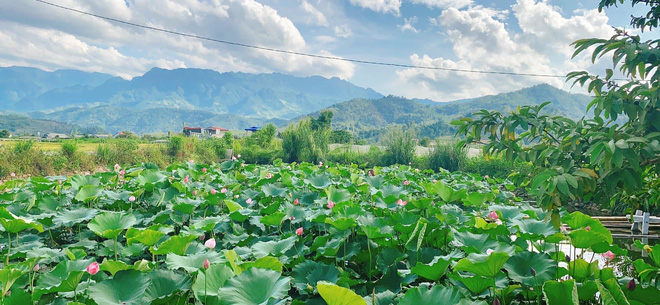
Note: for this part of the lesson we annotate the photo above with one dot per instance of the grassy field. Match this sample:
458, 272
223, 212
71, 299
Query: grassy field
55, 146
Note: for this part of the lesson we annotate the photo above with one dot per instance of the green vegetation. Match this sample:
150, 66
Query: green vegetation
611, 158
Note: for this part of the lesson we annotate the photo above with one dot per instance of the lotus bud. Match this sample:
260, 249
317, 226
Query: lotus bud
496, 301
210, 243
93, 268
532, 271
36, 268
631, 285
206, 264
568, 258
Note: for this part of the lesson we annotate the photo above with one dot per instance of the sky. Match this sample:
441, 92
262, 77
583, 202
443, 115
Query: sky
521, 36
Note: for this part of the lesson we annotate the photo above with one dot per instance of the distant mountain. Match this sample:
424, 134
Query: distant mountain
18, 83
22, 125
367, 118
251, 95
154, 120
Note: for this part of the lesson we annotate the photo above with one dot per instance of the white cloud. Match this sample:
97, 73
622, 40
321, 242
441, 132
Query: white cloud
343, 31
444, 3
481, 40
408, 24
55, 38
380, 6
314, 16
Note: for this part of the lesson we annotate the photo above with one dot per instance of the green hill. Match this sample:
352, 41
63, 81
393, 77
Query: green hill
368, 118
20, 125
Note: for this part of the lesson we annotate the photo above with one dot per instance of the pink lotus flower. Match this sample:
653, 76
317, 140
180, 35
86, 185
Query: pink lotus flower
194, 192
320, 163
117, 167
186, 179
486, 176
12, 174
330, 204
131, 199
249, 201
204, 170
213, 191
206, 264
299, 231
588, 228
608, 255
269, 175
87, 173
233, 158
93, 268
489, 251
406, 182
210, 243
293, 218
493, 215
295, 202
122, 172
191, 161
434, 180
235, 196
239, 155
223, 190
36, 268
401, 202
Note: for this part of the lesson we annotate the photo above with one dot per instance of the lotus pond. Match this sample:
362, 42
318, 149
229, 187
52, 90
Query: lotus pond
301, 234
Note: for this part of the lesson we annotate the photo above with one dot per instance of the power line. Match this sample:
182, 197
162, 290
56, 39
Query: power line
359, 61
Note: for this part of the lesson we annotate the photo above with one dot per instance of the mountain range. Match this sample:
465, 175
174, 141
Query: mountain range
164, 100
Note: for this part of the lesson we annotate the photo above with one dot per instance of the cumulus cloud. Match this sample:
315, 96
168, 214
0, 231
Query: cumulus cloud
380, 6
58, 39
343, 31
408, 24
444, 3
313, 15
482, 41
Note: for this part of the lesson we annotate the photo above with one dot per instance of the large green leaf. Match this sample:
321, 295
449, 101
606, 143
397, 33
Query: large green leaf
436, 295
275, 248
308, 273
208, 283
433, 270
521, 264
561, 293
175, 244
483, 264
578, 220
255, 286
164, 283
584, 239
336, 295
272, 190
8, 276
126, 287
191, 263
111, 224
88, 192
146, 237
318, 181
68, 218
15, 224
65, 277
611, 293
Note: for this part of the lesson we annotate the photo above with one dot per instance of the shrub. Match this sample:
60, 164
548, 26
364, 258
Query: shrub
69, 148
302, 144
448, 156
496, 167
399, 146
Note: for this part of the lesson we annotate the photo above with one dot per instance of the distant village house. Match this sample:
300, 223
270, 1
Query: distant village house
212, 131
53, 136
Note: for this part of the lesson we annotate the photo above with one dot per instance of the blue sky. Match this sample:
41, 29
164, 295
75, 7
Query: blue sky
523, 36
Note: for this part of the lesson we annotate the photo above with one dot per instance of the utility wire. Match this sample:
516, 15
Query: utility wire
359, 61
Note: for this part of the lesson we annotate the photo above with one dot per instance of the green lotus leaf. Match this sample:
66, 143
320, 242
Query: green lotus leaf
208, 283
521, 264
381, 298
65, 277
644, 295
192, 263
483, 264
208, 223
318, 181
255, 286
561, 293
336, 295
308, 273
477, 199
88, 192
611, 293
338, 195
113, 266
126, 287
584, 239
581, 270
146, 237
111, 224
476, 284
8, 277
534, 229
175, 244
271, 190
150, 177
578, 220
68, 218
266, 262
436, 295
79, 181
587, 290
275, 248
433, 270
164, 283
274, 219
15, 224
478, 242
